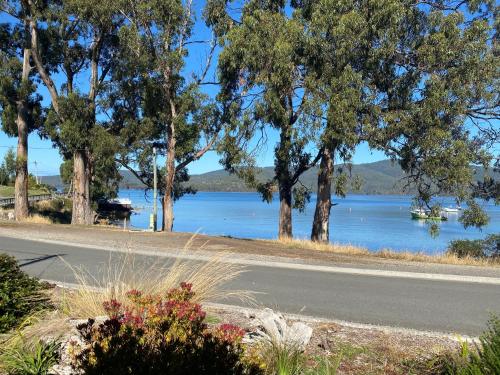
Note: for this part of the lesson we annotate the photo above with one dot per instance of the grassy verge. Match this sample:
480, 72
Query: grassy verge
8, 191
350, 250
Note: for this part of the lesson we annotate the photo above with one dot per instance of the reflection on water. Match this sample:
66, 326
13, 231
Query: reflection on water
371, 221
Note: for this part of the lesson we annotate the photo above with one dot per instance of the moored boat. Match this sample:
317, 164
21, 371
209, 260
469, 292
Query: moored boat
117, 204
421, 214
451, 210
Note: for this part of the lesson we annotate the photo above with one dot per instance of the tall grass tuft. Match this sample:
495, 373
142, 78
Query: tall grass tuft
151, 275
30, 358
282, 359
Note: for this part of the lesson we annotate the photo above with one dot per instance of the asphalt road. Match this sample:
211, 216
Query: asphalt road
444, 306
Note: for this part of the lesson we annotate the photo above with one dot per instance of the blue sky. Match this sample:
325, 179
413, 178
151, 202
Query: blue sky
45, 160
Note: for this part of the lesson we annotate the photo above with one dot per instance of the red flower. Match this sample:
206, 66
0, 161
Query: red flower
112, 308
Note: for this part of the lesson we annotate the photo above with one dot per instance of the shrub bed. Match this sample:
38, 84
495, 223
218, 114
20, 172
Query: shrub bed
160, 334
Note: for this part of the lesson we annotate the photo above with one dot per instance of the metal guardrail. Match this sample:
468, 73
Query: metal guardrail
32, 198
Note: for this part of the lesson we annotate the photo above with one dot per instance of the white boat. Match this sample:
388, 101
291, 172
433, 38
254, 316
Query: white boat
421, 214
116, 204
452, 210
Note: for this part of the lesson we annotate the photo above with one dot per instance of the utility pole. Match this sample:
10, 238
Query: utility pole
153, 219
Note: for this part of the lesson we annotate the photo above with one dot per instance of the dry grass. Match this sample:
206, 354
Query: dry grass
37, 219
127, 271
407, 256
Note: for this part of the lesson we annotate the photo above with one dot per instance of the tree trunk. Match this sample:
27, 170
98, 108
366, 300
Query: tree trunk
321, 223
168, 199
285, 221
82, 211
282, 169
21, 184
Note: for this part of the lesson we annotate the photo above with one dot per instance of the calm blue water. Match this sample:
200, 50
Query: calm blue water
371, 221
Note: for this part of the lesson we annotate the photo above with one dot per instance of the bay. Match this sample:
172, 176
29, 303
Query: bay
372, 221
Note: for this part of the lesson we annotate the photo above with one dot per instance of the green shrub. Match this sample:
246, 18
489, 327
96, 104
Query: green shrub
486, 359
30, 359
482, 359
487, 248
20, 294
160, 335
491, 246
466, 248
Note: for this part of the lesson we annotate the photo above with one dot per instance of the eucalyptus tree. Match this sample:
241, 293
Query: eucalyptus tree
76, 39
19, 102
440, 100
157, 99
411, 80
340, 52
262, 67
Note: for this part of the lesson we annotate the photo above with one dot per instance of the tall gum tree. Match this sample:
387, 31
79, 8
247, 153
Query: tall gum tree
19, 104
416, 82
157, 101
262, 68
75, 38
440, 101
344, 39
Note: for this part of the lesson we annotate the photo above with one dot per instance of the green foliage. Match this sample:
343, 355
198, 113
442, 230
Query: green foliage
30, 358
154, 99
20, 294
481, 359
8, 168
473, 216
283, 359
466, 248
487, 357
435, 100
12, 87
487, 248
77, 38
264, 79
160, 334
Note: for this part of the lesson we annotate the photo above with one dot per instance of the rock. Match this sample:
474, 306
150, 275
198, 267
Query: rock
70, 342
272, 327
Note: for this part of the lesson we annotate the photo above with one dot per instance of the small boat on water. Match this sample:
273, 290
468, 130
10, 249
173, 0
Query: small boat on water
452, 210
418, 213
421, 214
116, 204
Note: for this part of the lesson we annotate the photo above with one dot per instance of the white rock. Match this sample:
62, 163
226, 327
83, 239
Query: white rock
272, 326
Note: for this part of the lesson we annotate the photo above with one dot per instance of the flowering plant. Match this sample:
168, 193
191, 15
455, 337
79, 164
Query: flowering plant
153, 334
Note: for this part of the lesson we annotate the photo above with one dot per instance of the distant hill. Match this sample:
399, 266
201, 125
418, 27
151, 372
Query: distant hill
377, 178
382, 177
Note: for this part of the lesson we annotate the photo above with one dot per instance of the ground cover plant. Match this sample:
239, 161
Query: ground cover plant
20, 294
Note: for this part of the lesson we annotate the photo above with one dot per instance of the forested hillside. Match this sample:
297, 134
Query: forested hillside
382, 177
